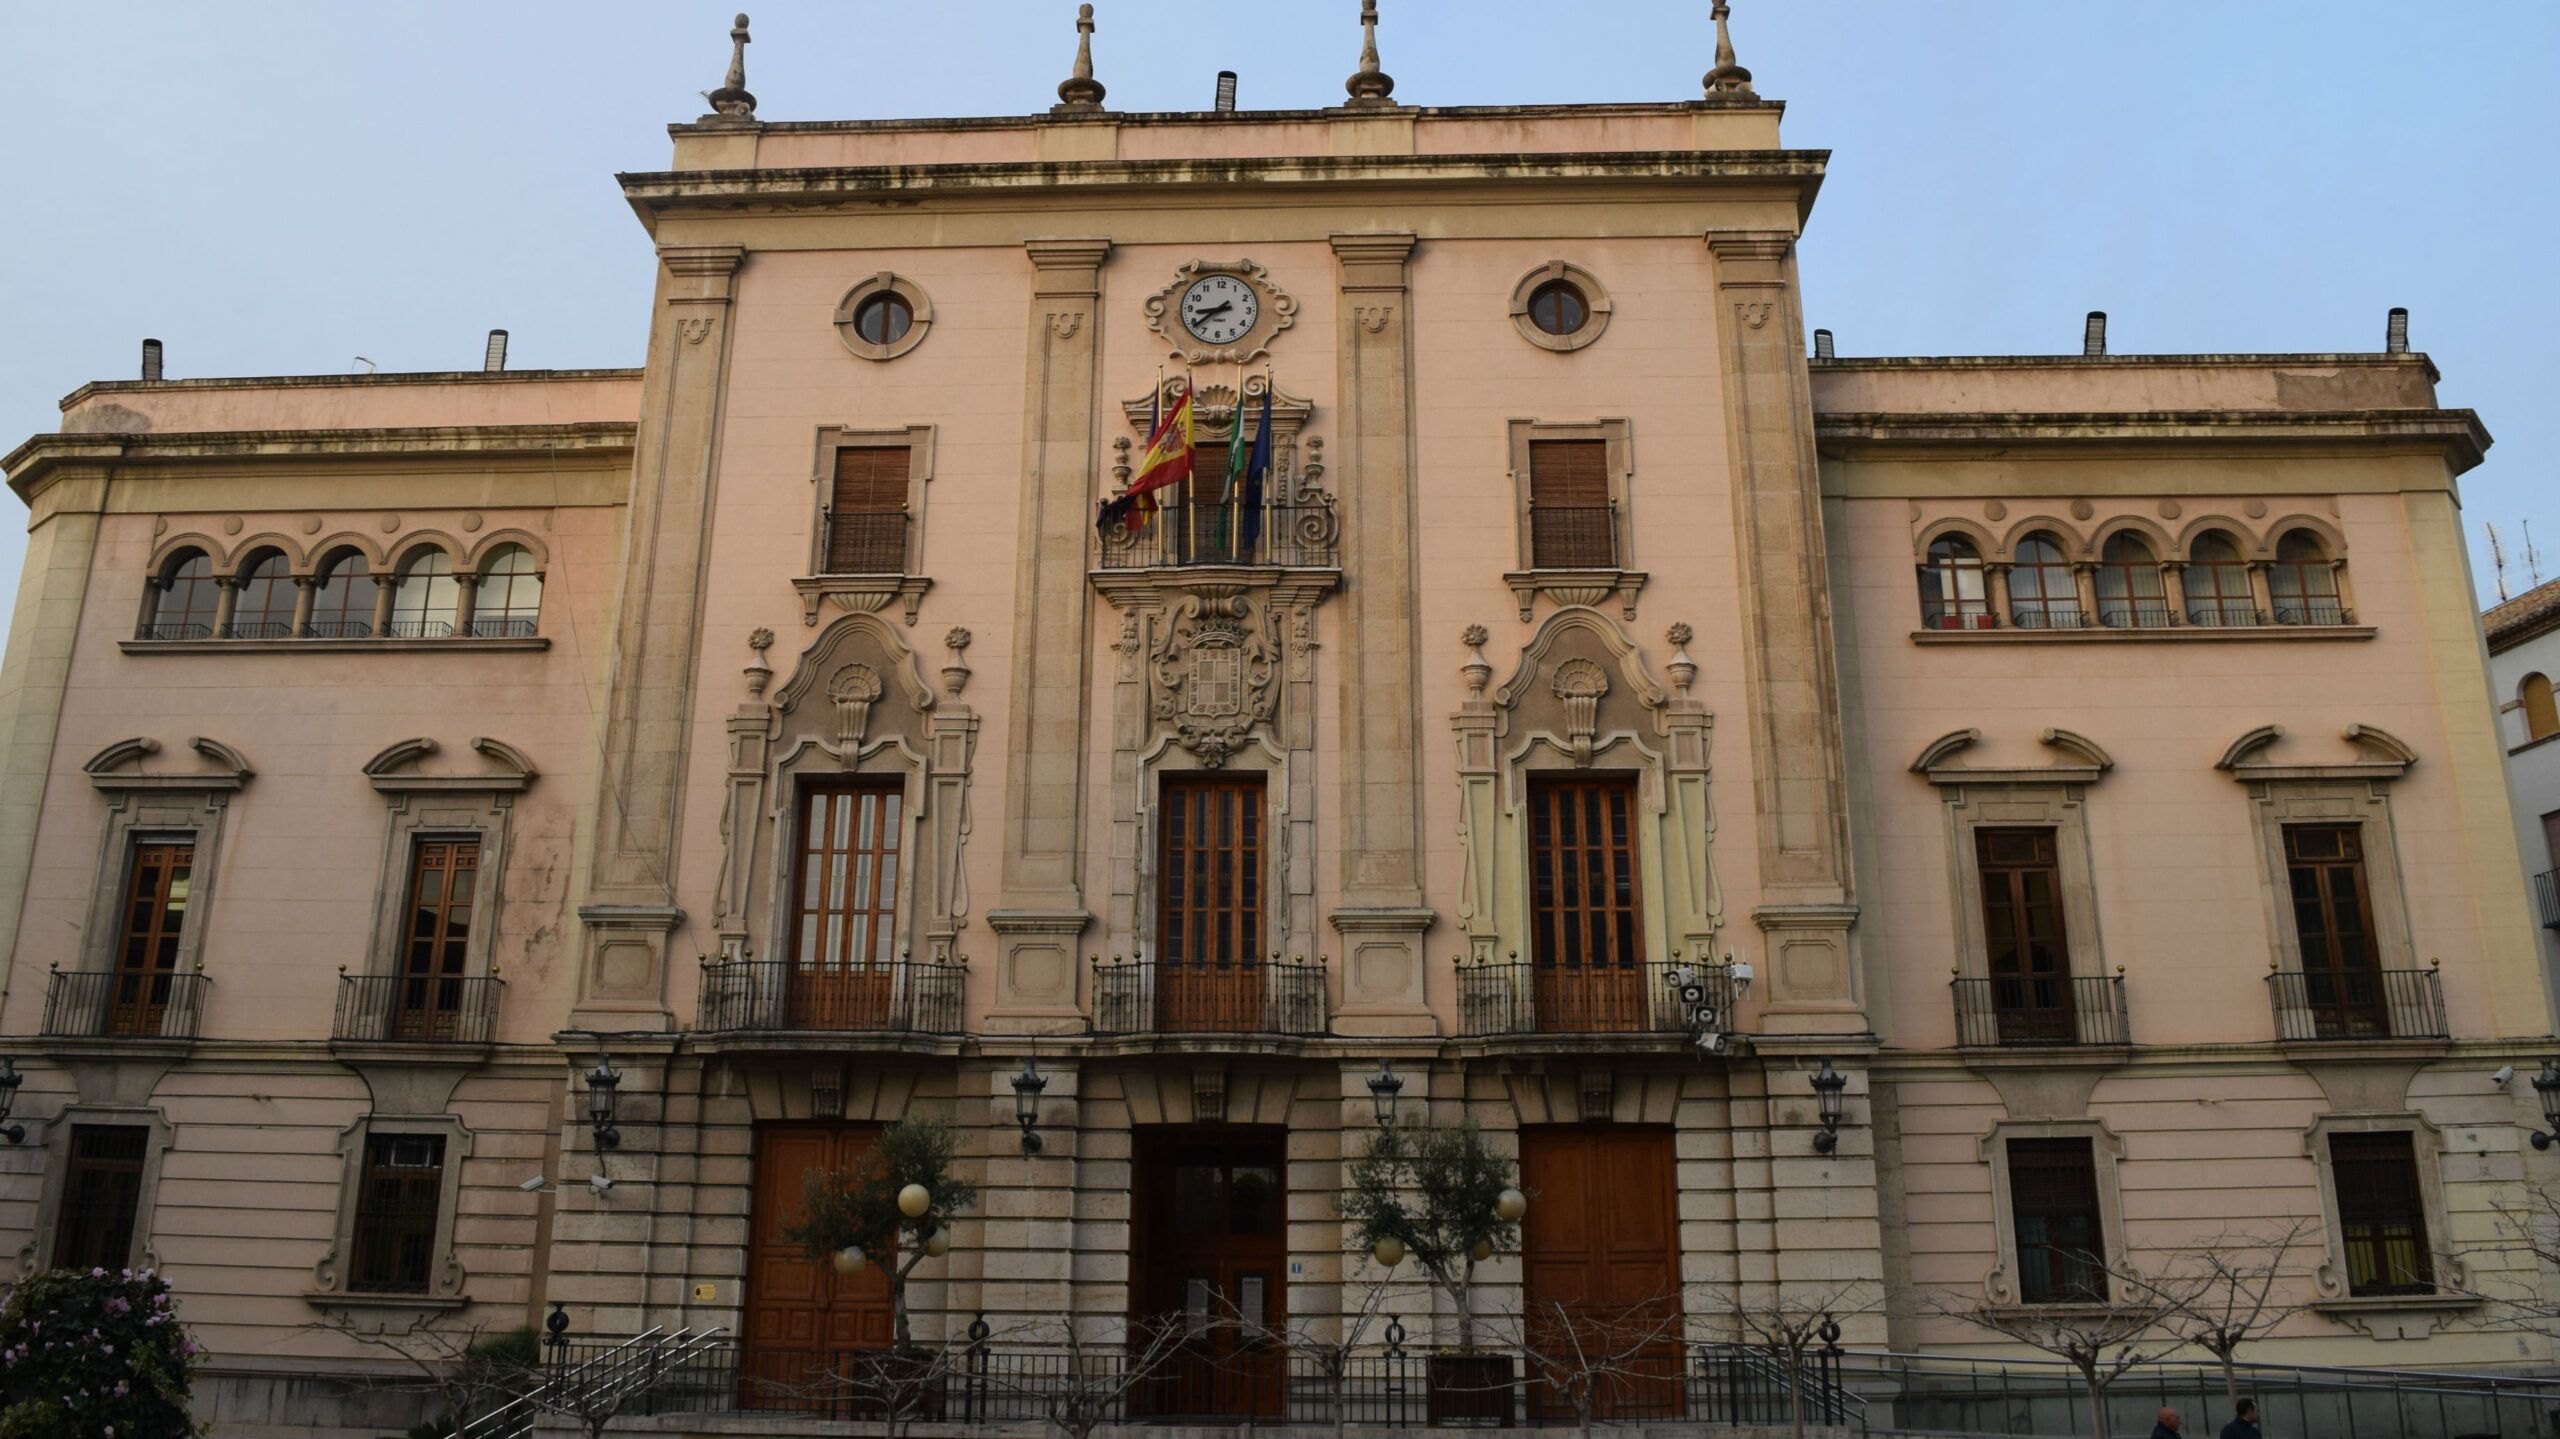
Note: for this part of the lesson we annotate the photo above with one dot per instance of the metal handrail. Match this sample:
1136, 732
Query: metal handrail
418, 1008
2346, 1004
2010, 1010
630, 1365
901, 997
1251, 996
123, 1003
1666, 996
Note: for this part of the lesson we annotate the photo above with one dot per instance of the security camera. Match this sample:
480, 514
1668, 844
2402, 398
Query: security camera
1743, 974
2504, 1073
533, 1185
600, 1183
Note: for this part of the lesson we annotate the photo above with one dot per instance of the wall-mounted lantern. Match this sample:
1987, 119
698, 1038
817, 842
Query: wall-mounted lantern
1027, 1088
1384, 1089
1827, 1087
2546, 1086
10, 1079
602, 1084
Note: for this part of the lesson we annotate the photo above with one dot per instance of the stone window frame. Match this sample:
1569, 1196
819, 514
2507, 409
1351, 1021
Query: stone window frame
2051, 797
2106, 1160
441, 806
37, 1254
2353, 792
1284, 930
919, 306
1576, 586
144, 807
2427, 1147
446, 1276
867, 593
811, 767
1595, 298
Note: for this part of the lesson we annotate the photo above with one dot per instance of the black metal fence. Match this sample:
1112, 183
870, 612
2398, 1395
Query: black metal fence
2041, 1009
1299, 535
123, 1004
2326, 1004
902, 997
1267, 996
418, 1008
1649, 997
2546, 898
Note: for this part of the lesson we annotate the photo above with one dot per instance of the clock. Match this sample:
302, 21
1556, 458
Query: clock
1220, 309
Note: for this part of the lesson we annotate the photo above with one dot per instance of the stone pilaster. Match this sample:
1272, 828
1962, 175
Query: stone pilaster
1042, 909
53, 586
1800, 794
1382, 917
630, 904
1028, 1225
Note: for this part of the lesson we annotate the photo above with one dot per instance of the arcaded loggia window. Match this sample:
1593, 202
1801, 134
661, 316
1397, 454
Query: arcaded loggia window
2061, 1237
2342, 981
342, 601
2131, 595
1209, 903
2023, 940
402, 1189
263, 607
435, 954
2217, 582
101, 1197
1571, 526
2382, 1214
1585, 905
188, 599
510, 599
1952, 596
2302, 583
867, 511
426, 598
2042, 593
845, 897
154, 919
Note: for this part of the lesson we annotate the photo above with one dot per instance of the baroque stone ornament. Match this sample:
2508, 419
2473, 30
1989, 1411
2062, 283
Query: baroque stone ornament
1581, 683
759, 673
1080, 93
1370, 87
853, 690
732, 102
1683, 670
955, 675
1278, 311
1477, 669
1728, 83
1216, 672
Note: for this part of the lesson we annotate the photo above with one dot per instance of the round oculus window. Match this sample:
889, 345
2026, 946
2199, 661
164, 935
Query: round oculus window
1559, 308
884, 318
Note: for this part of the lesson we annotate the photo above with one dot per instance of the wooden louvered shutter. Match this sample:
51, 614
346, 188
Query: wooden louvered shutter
867, 511
1570, 526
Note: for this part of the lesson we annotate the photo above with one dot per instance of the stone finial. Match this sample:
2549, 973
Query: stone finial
1371, 87
1478, 672
759, 674
1080, 93
732, 101
955, 675
1684, 670
1728, 81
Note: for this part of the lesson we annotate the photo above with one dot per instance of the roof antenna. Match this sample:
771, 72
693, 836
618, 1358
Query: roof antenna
2532, 556
2497, 559
1080, 93
369, 366
1728, 81
732, 101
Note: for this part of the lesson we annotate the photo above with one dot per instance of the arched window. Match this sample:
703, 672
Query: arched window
342, 603
2130, 593
188, 599
510, 597
426, 598
2302, 583
263, 609
1951, 592
2218, 583
2042, 594
2541, 716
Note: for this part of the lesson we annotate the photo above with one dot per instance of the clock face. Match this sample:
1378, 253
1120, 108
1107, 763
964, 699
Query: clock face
1220, 309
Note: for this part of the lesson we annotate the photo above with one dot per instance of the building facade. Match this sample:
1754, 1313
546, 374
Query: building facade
2524, 652
2001, 735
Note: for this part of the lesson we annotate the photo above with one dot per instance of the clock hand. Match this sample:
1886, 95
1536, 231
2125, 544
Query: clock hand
1218, 309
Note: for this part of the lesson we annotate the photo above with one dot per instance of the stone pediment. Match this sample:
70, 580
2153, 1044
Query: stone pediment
117, 769
396, 770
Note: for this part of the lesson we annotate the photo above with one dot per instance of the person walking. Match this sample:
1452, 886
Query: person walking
2244, 1425
2170, 1425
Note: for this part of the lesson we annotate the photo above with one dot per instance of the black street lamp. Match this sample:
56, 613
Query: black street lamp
1027, 1088
602, 1083
1384, 1089
10, 1079
2546, 1085
1827, 1103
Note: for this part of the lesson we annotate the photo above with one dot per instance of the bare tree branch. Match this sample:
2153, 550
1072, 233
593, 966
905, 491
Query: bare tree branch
2101, 1340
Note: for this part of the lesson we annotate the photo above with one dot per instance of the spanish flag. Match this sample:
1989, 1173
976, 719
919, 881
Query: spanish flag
1167, 462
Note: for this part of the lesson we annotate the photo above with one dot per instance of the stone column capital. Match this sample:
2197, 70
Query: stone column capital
1374, 261
1077, 258
1752, 247
702, 262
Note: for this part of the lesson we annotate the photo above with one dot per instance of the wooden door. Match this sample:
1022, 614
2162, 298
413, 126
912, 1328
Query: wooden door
800, 1312
1600, 1263
2023, 939
155, 916
845, 888
1586, 911
1210, 1252
1209, 974
428, 1005
2341, 981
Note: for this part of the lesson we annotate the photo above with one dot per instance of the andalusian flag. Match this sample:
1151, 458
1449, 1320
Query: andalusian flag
1256, 465
1167, 462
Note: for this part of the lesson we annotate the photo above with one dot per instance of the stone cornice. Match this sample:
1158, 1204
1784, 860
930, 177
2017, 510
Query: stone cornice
28, 466
2364, 359
333, 382
1045, 119
2459, 433
648, 192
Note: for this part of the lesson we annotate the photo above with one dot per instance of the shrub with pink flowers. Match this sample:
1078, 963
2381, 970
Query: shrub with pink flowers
93, 1354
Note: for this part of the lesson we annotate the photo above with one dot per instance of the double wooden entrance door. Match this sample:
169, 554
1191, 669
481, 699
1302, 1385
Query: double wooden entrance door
1600, 1260
800, 1312
1210, 1254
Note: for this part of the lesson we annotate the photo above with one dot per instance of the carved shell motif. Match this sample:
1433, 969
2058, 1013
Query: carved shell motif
1581, 683
854, 689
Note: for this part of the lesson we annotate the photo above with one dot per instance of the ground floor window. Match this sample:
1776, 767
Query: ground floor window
101, 1197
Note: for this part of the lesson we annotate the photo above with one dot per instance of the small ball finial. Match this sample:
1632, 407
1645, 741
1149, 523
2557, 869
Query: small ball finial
733, 101
1371, 87
1080, 93
1728, 82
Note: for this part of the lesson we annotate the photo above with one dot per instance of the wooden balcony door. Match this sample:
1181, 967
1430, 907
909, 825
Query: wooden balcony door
1209, 891
154, 917
845, 902
1209, 1251
435, 954
1587, 949
2333, 918
2023, 939
1600, 1263
799, 1310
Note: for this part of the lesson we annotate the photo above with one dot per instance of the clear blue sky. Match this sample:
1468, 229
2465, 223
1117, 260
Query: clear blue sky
274, 188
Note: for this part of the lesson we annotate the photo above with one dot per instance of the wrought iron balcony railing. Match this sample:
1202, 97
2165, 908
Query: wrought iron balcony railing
2223, 614
865, 542
2313, 612
902, 997
1145, 996
2041, 1009
1298, 535
173, 630
417, 629
1647, 997
2136, 614
2040, 615
418, 1008
123, 1004
2546, 898
1573, 537
501, 627
2327, 1004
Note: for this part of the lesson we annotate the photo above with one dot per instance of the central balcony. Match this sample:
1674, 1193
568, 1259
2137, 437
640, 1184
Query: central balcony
2325, 1005
1274, 996
1197, 533
1658, 997
136, 1004
417, 1009
2012, 1011
912, 997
